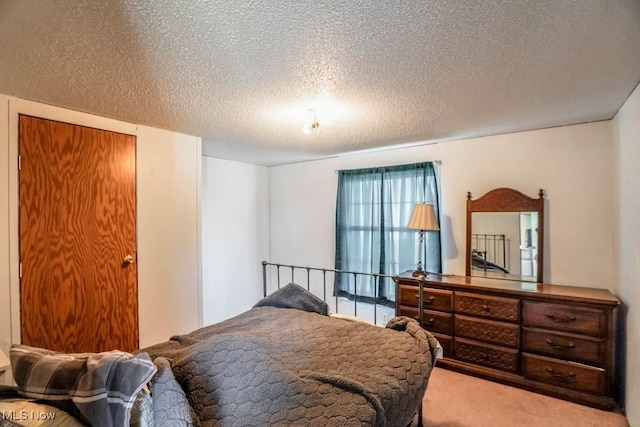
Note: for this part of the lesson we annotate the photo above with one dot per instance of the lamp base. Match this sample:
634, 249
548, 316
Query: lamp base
419, 273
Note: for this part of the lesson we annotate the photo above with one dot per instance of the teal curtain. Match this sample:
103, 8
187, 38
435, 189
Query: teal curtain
373, 208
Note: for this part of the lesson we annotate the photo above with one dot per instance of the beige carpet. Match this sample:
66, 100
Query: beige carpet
457, 400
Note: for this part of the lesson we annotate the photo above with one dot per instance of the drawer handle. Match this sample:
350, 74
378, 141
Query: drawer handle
569, 346
561, 319
426, 300
569, 376
485, 307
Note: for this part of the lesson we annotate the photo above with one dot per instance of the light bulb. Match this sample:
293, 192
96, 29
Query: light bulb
313, 126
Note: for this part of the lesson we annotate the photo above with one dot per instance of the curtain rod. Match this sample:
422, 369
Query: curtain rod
437, 162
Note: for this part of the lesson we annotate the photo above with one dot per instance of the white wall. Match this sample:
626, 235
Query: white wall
573, 164
627, 143
168, 187
235, 229
168, 176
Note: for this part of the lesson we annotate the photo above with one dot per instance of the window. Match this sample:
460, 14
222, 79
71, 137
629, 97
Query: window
373, 208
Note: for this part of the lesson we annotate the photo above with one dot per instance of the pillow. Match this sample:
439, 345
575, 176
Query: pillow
347, 317
98, 388
295, 296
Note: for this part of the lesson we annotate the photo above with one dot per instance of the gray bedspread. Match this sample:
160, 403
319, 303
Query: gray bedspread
285, 366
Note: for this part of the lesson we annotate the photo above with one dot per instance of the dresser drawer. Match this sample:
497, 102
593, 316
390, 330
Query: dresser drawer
565, 374
435, 299
487, 306
564, 346
485, 354
487, 330
433, 321
565, 317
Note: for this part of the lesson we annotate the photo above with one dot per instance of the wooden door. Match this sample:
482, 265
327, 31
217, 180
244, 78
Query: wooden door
77, 225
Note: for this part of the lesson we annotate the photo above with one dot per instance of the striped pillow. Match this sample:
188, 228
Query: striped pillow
101, 387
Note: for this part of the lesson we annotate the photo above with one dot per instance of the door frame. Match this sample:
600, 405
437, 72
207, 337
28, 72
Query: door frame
17, 107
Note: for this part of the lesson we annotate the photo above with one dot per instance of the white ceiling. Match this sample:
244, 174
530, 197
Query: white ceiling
243, 74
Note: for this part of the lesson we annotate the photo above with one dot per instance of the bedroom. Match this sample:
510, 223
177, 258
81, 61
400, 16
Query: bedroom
285, 213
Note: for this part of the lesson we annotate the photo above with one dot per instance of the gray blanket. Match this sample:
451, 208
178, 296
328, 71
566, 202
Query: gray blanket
284, 366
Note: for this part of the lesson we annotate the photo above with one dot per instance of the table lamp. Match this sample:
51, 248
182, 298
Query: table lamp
423, 218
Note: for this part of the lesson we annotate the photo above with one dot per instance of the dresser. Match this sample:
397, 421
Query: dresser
552, 339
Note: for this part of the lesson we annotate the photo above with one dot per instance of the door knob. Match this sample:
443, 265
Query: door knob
129, 259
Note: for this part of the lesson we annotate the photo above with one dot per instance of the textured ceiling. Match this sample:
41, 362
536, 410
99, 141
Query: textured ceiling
243, 74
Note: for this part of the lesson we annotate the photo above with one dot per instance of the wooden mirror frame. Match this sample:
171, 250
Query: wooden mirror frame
507, 200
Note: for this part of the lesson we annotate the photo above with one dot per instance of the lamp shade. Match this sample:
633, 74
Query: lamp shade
423, 217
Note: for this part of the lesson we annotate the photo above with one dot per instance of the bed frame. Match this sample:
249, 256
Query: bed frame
492, 248
320, 282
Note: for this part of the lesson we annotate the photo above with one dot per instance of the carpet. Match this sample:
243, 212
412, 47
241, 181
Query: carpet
457, 400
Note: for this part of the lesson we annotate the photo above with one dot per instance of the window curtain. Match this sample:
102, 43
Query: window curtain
374, 206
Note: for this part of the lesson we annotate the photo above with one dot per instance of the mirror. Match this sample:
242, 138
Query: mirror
505, 236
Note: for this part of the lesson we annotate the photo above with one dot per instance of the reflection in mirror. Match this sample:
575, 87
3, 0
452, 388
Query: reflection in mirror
503, 245
505, 235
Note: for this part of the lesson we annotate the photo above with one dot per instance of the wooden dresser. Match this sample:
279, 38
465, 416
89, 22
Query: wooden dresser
555, 340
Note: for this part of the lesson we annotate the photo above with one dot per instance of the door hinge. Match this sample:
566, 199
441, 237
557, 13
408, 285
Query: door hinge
21, 270
19, 162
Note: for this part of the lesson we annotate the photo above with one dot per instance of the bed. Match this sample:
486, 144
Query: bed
478, 261
288, 362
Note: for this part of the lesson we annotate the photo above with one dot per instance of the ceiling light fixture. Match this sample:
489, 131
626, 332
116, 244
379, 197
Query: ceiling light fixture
313, 126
